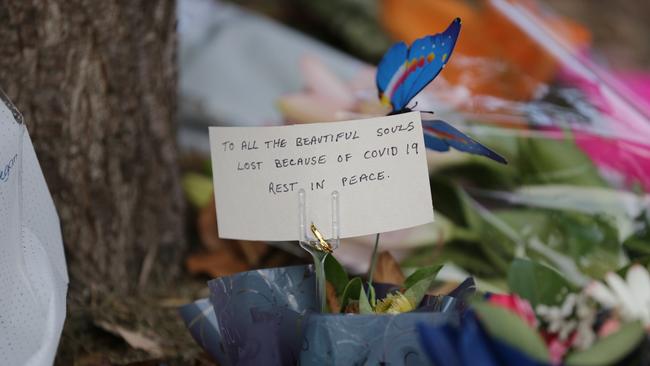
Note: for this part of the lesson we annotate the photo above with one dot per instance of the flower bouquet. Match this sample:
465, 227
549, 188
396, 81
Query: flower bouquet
272, 316
551, 322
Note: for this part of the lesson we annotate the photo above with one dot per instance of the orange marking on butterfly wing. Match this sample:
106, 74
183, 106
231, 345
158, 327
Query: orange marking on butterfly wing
447, 136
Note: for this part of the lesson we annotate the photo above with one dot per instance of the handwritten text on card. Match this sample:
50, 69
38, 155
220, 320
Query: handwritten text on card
377, 165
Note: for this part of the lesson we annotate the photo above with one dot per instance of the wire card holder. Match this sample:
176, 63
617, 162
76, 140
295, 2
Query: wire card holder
314, 242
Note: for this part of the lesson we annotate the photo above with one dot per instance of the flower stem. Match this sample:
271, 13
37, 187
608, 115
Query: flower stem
319, 270
373, 261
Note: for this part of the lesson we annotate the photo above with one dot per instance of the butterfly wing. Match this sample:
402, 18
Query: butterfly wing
440, 136
390, 69
423, 61
430, 54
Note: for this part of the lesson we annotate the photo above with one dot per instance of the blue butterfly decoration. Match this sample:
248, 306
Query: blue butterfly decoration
403, 72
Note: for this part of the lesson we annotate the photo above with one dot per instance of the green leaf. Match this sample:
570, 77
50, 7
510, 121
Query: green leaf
549, 161
590, 240
637, 245
415, 293
351, 292
470, 211
373, 295
364, 305
420, 274
509, 328
335, 274
497, 240
537, 283
535, 223
198, 189
611, 349
466, 254
585, 233
622, 206
483, 171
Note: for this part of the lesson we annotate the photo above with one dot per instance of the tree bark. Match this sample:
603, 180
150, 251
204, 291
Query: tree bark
96, 83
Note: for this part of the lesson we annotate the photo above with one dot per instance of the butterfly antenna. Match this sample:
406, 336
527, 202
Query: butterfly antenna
415, 105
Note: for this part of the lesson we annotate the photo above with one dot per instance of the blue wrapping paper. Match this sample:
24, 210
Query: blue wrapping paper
201, 321
257, 311
467, 344
271, 317
376, 339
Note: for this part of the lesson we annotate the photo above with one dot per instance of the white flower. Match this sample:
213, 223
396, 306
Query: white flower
631, 297
573, 319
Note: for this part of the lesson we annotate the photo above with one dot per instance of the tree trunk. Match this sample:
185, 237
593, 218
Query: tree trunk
96, 83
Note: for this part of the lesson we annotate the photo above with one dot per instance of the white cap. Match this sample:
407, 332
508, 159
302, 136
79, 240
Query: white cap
33, 273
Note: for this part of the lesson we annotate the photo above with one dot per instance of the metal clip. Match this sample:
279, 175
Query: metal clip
321, 244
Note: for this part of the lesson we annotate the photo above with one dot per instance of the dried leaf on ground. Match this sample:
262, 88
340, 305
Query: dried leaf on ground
332, 299
252, 251
134, 339
388, 270
352, 307
93, 359
207, 226
146, 363
222, 262
279, 258
174, 302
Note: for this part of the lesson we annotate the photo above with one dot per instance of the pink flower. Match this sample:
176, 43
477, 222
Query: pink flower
556, 347
517, 305
629, 158
622, 98
610, 326
620, 157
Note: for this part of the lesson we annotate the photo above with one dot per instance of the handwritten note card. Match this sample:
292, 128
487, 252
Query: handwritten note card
377, 165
